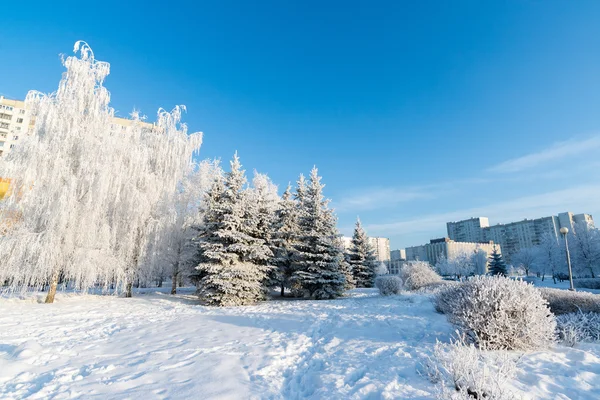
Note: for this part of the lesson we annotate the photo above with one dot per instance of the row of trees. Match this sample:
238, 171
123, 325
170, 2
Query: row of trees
93, 206
250, 239
549, 257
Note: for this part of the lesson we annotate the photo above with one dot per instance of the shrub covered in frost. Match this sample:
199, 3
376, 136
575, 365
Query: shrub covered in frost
565, 302
418, 274
587, 283
499, 313
436, 287
578, 327
463, 371
388, 285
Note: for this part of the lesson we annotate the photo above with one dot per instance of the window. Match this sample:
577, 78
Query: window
18, 128
1, 144
15, 138
4, 125
6, 116
12, 146
19, 120
21, 111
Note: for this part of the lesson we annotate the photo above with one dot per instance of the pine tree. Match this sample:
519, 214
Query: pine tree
285, 232
317, 256
232, 268
362, 258
497, 266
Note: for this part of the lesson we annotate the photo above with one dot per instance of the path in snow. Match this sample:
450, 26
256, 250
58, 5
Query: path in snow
159, 346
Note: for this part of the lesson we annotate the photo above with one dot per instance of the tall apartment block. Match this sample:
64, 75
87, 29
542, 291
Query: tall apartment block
515, 235
15, 120
469, 230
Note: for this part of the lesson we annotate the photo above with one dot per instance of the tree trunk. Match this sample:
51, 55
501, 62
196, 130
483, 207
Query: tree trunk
128, 289
52, 287
175, 277
159, 283
282, 290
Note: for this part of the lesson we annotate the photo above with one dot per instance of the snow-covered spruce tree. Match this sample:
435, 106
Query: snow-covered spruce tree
285, 233
362, 258
262, 202
77, 184
233, 268
497, 266
317, 255
346, 268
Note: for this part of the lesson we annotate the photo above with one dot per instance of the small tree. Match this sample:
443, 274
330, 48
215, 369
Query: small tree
525, 258
362, 258
497, 265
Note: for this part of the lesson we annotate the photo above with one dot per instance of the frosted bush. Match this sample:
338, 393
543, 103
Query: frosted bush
499, 313
578, 327
388, 285
587, 283
463, 371
418, 274
565, 302
436, 287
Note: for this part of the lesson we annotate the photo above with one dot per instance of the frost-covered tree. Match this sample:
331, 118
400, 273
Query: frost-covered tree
458, 265
317, 255
179, 251
497, 265
85, 196
550, 257
233, 267
526, 258
362, 258
584, 244
262, 201
284, 236
479, 259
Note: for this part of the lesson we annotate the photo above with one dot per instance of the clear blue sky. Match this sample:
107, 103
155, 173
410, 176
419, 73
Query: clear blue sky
415, 112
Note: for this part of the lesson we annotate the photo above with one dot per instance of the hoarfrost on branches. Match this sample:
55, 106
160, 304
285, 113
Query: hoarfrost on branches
85, 198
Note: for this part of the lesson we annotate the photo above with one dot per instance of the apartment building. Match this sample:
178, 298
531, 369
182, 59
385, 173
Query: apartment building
515, 235
469, 230
15, 121
448, 248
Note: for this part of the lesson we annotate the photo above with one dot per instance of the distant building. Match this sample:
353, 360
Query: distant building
15, 120
515, 235
398, 255
447, 248
469, 230
381, 247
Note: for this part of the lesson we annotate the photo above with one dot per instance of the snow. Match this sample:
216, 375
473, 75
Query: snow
154, 345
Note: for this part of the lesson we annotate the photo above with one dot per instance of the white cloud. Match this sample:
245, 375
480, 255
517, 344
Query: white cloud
579, 199
558, 151
370, 199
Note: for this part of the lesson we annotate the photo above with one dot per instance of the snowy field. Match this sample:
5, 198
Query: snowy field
157, 346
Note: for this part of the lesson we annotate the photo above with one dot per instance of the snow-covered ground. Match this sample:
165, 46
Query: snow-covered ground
157, 346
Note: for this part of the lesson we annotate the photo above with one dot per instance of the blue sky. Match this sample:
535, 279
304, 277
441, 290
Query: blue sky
416, 113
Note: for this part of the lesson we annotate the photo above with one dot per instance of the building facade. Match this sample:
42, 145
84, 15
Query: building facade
448, 248
515, 235
469, 230
15, 121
